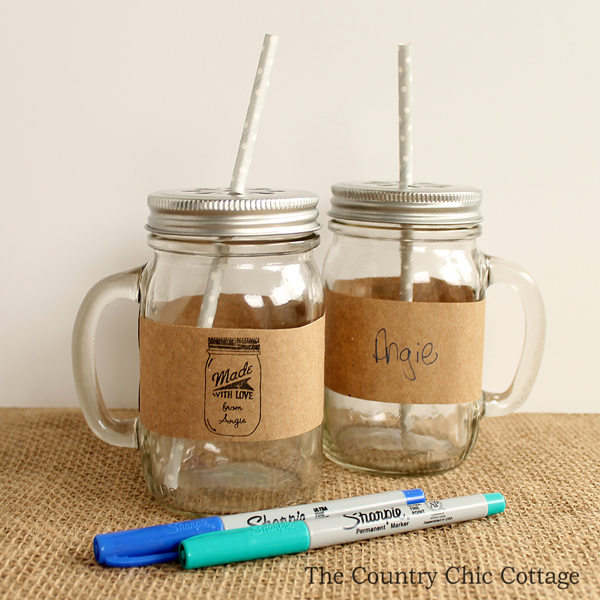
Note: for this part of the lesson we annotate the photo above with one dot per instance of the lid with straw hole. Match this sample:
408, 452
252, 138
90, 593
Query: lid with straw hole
216, 212
426, 204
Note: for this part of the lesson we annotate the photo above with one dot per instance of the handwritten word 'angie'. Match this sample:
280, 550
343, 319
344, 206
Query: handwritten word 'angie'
387, 352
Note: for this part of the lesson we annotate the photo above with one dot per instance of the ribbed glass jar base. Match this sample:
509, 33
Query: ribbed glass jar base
230, 477
398, 439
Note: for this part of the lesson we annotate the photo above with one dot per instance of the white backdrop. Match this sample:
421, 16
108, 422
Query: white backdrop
104, 102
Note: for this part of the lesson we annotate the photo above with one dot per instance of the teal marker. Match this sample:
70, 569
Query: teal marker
237, 545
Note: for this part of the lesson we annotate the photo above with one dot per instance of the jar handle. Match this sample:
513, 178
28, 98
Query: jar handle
118, 432
502, 271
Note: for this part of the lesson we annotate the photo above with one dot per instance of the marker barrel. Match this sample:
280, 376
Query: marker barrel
322, 510
292, 537
244, 544
362, 525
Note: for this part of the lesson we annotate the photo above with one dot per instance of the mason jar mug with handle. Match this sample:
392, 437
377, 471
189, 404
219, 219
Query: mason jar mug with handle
405, 287
231, 335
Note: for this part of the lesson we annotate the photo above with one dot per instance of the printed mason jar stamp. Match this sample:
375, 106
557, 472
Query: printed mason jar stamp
232, 395
231, 384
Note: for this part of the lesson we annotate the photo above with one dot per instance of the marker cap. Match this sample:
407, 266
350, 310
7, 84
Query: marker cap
496, 503
138, 547
249, 543
416, 496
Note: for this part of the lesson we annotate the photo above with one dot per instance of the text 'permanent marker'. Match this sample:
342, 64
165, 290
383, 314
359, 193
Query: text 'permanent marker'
350, 526
149, 545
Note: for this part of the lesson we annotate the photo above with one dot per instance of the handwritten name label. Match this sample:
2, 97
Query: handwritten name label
404, 352
423, 354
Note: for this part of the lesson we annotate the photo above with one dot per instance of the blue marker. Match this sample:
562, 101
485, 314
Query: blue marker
350, 526
138, 547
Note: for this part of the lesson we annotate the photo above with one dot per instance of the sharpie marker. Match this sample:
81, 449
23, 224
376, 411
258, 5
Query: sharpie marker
350, 526
138, 547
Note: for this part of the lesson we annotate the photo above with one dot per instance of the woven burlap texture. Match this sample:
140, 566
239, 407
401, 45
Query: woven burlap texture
60, 486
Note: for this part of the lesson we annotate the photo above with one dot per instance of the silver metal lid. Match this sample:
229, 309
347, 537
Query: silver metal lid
427, 204
214, 212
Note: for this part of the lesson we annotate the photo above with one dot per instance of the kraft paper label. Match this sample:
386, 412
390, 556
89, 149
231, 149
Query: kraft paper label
231, 384
404, 352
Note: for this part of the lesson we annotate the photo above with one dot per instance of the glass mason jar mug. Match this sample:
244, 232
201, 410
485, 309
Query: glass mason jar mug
405, 291
231, 341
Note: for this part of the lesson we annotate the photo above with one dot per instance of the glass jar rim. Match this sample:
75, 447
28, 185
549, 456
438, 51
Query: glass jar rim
395, 231
234, 246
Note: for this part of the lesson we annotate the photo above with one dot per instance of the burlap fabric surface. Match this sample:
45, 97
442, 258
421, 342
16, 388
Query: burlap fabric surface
59, 486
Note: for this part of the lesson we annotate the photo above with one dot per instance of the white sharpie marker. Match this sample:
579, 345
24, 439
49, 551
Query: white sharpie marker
149, 545
298, 536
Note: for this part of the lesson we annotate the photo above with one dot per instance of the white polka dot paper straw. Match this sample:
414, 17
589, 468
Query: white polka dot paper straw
210, 300
257, 101
405, 180
405, 116
214, 283
406, 175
